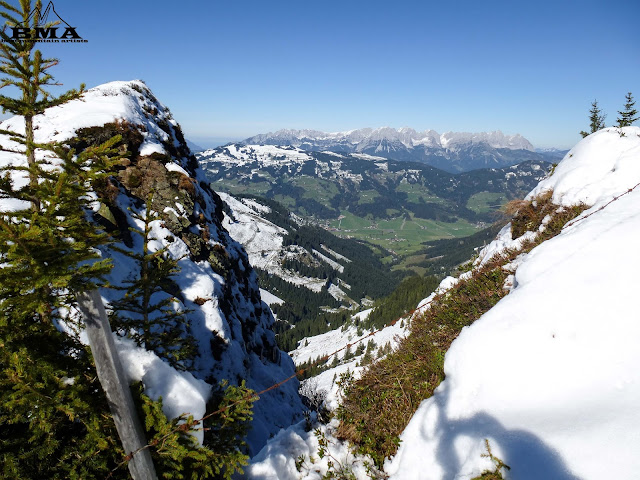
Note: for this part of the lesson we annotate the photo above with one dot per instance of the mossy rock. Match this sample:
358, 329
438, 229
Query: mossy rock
131, 135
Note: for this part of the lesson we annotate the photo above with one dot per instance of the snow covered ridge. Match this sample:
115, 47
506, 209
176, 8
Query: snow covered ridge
452, 152
216, 285
263, 241
549, 375
407, 136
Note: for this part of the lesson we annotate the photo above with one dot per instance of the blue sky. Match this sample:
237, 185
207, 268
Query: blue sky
231, 69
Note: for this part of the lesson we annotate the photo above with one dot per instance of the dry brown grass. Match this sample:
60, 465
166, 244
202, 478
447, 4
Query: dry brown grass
527, 215
377, 407
187, 184
201, 301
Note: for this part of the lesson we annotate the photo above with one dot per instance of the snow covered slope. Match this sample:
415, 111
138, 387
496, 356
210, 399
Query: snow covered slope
275, 251
263, 241
216, 284
550, 374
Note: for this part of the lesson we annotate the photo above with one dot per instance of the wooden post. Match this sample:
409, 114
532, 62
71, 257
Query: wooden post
115, 385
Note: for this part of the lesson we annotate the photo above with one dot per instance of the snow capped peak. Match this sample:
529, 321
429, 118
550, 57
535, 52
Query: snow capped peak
452, 151
495, 139
285, 137
131, 101
405, 135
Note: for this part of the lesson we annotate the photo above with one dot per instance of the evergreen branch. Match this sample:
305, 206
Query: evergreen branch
6, 82
10, 132
8, 6
9, 150
10, 58
10, 19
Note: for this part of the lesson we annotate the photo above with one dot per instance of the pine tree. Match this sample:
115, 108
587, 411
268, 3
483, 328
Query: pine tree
178, 456
348, 354
596, 118
629, 114
153, 321
54, 419
26, 70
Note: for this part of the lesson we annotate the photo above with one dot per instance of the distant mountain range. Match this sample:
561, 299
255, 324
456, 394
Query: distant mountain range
395, 205
452, 151
194, 147
557, 153
324, 185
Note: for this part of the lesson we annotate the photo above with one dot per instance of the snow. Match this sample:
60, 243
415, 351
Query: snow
335, 254
217, 308
277, 461
260, 238
270, 298
174, 167
267, 155
336, 292
405, 136
596, 169
332, 263
503, 242
311, 348
100, 105
549, 375
181, 392
363, 315
263, 241
365, 156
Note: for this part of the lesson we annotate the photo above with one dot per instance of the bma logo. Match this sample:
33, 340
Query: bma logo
48, 27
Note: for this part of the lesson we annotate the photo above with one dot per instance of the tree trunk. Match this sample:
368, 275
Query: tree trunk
31, 159
115, 385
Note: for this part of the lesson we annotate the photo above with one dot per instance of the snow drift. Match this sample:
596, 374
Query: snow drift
549, 376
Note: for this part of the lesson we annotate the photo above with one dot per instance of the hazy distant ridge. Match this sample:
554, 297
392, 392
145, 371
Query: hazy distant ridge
366, 137
451, 151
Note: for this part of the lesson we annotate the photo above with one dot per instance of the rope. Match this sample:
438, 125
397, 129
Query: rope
189, 426
573, 222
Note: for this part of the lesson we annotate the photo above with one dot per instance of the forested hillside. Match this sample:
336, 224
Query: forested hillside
397, 205
319, 279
